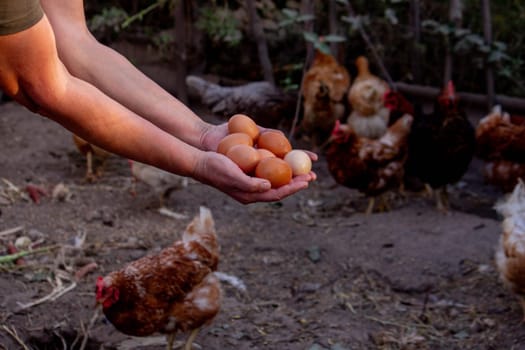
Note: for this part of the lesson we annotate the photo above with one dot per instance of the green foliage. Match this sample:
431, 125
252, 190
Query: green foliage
463, 41
322, 43
387, 22
289, 82
108, 23
139, 16
220, 25
292, 17
356, 21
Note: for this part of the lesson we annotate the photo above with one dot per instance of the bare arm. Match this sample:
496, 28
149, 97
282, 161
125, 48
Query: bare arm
113, 74
32, 73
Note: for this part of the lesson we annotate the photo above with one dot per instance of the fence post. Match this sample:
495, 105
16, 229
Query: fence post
489, 72
180, 51
415, 19
262, 48
455, 17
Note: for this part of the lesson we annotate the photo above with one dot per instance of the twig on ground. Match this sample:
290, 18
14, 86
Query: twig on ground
400, 324
85, 331
11, 231
11, 186
12, 191
58, 290
12, 332
174, 215
62, 340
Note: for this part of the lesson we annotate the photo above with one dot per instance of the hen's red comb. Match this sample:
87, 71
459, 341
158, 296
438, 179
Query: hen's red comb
337, 127
100, 286
451, 89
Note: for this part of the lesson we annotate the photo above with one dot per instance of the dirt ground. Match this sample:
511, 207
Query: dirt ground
319, 274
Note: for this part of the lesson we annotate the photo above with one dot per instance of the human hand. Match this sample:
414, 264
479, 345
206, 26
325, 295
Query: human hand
220, 172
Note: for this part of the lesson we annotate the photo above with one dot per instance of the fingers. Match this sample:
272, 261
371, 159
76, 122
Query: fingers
297, 184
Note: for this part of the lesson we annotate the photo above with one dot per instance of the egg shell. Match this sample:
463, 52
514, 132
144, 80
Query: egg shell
230, 140
275, 170
246, 157
243, 123
299, 161
264, 153
275, 142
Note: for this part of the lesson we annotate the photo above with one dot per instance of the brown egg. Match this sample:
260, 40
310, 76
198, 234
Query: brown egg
275, 170
246, 157
264, 153
243, 123
230, 140
274, 142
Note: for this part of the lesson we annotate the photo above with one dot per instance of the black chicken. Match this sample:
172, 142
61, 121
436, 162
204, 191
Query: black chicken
441, 145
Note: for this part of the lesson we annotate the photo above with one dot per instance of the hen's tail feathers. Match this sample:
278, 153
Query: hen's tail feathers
513, 206
232, 280
202, 223
202, 229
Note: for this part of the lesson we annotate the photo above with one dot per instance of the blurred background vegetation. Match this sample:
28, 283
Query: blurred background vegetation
219, 37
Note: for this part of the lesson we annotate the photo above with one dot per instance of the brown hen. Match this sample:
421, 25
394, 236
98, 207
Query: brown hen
174, 290
501, 143
501, 136
324, 87
371, 166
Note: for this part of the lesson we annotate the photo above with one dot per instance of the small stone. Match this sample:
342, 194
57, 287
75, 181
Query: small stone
314, 254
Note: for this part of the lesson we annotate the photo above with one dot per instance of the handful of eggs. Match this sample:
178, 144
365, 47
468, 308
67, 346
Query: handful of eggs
267, 155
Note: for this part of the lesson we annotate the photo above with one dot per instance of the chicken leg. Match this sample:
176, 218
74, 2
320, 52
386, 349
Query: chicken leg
170, 339
371, 205
442, 202
383, 205
191, 338
90, 175
187, 345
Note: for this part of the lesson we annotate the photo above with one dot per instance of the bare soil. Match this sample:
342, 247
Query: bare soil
319, 273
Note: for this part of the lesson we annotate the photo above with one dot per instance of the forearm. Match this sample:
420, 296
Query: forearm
33, 75
119, 79
114, 75
100, 120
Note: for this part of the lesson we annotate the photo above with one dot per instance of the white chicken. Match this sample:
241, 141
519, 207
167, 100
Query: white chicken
369, 117
510, 252
163, 183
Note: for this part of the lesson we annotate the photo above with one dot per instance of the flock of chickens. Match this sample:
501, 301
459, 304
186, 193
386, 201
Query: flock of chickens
374, 140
